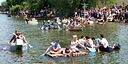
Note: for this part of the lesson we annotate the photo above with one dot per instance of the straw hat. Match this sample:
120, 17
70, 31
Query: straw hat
74, 36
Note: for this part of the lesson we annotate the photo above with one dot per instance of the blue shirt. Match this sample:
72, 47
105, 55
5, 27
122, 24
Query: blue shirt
97, 41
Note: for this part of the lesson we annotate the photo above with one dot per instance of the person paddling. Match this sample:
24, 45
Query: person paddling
54, 48
17, 36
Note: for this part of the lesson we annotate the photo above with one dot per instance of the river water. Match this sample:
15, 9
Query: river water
40, 40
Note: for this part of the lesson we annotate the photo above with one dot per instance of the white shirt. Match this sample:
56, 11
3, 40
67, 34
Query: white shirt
53, 44
82, 41
104, 42
74, 44
90, 42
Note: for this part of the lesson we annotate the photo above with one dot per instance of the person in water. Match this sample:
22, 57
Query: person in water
16, 36
26, 20
104, 44
54, 48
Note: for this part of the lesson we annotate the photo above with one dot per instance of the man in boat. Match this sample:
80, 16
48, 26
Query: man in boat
17, 35
54, 48
18, 41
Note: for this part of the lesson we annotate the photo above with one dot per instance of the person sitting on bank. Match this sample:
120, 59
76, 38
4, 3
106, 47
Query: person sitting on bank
104, 44
54, 48
74, 43
17, 36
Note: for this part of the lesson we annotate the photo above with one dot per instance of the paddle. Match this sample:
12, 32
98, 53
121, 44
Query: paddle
46, 51
30, 46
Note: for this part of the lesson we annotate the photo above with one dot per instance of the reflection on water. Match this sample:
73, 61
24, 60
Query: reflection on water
40, 40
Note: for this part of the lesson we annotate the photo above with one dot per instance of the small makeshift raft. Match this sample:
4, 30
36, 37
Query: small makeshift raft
63, 55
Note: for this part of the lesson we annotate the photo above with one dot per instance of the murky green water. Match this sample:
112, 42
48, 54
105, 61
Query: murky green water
40, 40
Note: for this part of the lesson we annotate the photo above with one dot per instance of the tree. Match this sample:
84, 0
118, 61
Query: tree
4, 4
64, 7
16, 8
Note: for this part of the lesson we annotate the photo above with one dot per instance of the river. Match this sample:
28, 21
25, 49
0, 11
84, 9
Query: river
40, 40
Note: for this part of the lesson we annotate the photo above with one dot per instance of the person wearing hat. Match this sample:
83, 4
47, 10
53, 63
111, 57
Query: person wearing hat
74, 43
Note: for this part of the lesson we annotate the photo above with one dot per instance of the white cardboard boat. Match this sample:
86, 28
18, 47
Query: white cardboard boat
33, 21
19, 46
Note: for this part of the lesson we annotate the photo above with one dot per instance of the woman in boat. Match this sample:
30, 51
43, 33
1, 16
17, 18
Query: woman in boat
17, 36
74, 44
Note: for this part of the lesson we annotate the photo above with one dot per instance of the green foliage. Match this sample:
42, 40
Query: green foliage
4, 4
63, 7
34, 5
92, 3
16, 8
14, 2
